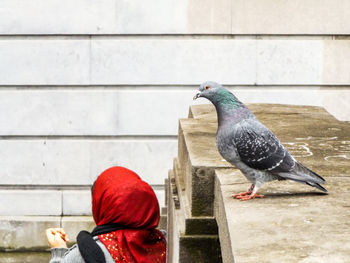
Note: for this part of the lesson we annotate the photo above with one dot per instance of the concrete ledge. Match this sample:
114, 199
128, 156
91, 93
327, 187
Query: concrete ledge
285, 226
311, 134
292, 223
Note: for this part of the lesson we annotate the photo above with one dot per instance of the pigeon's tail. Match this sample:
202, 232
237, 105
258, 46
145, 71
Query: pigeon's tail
302, 174
318, 186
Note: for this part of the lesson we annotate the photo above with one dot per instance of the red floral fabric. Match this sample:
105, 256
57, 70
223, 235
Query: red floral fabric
121, 197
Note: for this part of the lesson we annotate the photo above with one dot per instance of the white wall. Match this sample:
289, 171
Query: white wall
88, 84
247, 17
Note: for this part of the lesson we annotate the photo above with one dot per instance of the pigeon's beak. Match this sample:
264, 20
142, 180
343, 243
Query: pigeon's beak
196, 96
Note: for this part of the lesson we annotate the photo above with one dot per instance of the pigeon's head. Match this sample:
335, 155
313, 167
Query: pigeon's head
208, 90
218, 95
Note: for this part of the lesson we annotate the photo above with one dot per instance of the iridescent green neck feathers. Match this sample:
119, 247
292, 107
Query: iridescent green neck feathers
226, 99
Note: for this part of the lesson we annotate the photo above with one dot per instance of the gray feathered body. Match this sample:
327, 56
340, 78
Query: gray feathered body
250, 146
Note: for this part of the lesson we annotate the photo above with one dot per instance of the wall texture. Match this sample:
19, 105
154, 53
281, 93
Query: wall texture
88, 84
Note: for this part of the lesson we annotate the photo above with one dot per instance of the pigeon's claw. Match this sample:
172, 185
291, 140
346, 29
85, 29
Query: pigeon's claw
249, 197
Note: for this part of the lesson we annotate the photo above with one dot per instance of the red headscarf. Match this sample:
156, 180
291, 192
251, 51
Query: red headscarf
121, 197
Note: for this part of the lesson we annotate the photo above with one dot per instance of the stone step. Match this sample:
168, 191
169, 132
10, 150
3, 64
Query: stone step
28, 257
27, 233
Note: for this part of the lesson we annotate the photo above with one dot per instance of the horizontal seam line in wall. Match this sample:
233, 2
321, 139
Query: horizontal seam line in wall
150, 87
100, 87
174, 36
58, 187
43, 187
88, 137
16, 251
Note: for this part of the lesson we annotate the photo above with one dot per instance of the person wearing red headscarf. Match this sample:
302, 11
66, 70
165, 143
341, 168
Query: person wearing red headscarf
126, 212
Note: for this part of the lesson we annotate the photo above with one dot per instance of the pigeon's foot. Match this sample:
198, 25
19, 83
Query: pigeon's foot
240, 195
249, 197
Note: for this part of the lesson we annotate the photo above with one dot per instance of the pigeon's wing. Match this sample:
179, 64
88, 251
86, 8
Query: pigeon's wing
259, 148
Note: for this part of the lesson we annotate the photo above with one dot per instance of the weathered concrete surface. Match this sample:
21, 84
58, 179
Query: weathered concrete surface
294, 222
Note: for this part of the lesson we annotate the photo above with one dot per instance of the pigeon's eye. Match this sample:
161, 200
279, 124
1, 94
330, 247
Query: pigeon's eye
207, 87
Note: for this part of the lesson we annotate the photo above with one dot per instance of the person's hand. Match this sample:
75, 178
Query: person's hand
56, 237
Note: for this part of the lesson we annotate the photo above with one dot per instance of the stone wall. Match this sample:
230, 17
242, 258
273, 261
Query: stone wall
85, 85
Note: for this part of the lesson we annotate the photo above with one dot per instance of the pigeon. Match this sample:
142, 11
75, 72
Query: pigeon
246, 143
